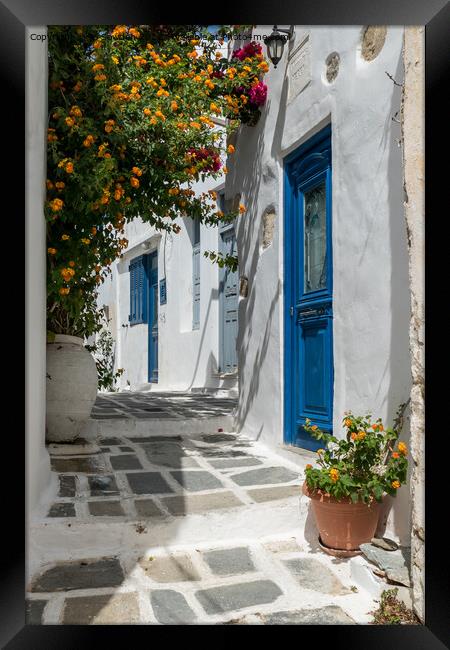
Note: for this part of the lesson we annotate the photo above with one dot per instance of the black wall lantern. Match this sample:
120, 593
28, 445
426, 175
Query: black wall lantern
276, 41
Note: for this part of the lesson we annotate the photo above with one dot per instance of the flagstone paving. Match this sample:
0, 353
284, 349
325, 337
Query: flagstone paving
161, 405
247, 584
179, 475
267, 581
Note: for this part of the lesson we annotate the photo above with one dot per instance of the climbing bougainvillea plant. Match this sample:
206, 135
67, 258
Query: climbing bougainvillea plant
130, 131
364, 465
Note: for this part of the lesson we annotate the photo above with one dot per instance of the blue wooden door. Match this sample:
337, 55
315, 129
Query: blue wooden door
152, 273
228, 304
308, 291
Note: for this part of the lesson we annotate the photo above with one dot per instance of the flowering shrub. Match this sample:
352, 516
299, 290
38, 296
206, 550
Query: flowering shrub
363, 466
103, 352
131, 130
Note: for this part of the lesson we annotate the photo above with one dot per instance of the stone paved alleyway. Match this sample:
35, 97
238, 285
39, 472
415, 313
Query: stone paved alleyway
201, 528
161, 405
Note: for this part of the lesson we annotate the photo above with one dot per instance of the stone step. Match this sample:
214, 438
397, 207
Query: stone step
96, 427
70, 538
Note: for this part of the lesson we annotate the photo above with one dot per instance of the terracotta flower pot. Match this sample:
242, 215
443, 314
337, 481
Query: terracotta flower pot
342, 524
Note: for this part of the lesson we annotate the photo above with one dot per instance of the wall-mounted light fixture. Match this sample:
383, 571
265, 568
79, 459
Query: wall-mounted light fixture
276, 41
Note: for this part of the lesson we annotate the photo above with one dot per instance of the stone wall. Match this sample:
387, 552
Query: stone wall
414, 203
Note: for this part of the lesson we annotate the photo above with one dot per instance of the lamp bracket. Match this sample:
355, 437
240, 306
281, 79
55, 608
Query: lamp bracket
289, 32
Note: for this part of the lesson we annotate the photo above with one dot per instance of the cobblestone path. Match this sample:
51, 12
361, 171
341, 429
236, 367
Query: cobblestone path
156, 483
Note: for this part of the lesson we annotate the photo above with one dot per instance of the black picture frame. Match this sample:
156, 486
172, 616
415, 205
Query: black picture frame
435, 15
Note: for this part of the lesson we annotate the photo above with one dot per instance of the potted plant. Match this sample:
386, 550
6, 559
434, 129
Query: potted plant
72, 380
350, 480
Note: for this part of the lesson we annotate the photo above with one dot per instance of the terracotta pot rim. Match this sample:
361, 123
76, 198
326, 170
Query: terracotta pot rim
324, 497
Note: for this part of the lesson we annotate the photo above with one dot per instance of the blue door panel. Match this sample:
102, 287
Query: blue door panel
308, 314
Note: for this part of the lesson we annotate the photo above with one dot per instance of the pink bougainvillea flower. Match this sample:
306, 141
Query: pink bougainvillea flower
258, 94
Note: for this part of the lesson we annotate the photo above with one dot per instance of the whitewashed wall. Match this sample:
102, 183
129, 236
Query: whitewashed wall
370, 266
40, 482
187, 358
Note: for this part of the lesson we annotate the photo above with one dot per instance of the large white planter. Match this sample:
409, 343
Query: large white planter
71, 387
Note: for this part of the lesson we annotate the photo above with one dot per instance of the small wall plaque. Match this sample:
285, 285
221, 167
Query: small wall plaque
299, 68
243, 286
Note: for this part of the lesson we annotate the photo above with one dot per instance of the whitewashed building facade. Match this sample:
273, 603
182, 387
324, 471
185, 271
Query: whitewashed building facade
171, 312
322, 323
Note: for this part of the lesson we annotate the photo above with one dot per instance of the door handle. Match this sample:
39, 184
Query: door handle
291, 311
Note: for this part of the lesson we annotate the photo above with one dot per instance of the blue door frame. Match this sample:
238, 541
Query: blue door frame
153, 311
308, 313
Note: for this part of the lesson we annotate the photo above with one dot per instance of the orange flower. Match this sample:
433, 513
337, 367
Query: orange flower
56, 205
361, 435
64, 291
51, 251
403, 449
334, 475
308, 466
137, 171
94, 230
89, 139
314, 427
67, 274
65, 237
174, 106
354, 436
395, 455
76, 111
395, 484
231, 149
348, 422
69, 121
69, 168
134, 182
71, 263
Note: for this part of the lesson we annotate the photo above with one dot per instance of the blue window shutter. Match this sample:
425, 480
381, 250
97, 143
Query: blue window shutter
143, 289
138, 290
132, 316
